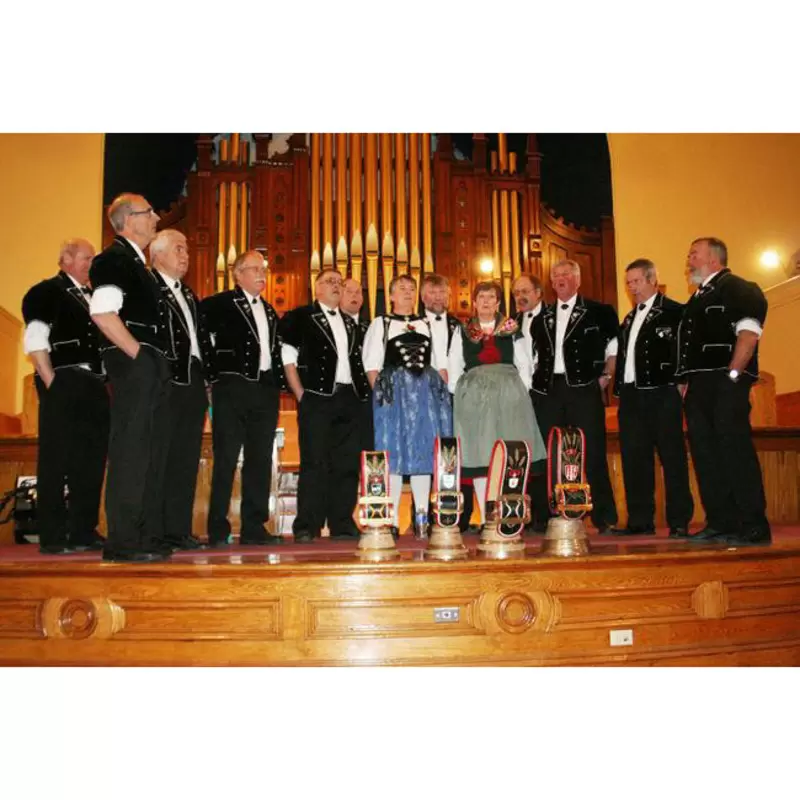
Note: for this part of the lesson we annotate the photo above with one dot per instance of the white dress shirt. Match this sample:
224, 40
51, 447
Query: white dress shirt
260, 315
109, 299
455, 361
744, 324
343, 375
642, 310
175, 288
374, 351
439, 333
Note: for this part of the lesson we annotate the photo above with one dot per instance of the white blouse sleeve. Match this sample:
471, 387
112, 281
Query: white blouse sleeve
455, 361
373, 352
522, 361
438, 359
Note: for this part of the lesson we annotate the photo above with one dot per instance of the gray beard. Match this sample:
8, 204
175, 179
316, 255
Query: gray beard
695, 278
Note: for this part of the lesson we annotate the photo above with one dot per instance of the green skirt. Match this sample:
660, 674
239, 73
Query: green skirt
491, 403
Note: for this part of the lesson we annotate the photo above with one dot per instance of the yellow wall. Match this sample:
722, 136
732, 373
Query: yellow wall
671, 188
744, 188
51, 189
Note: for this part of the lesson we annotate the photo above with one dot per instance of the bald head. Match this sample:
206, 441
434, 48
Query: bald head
75, 258
352, 297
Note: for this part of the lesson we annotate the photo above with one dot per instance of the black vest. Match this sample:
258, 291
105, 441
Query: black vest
308, 330
707, 332
234, 346
656, 351
74, 338
144, 311
180, 341
590, 328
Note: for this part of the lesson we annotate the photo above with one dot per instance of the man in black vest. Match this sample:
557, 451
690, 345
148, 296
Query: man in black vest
169, 256
128, 308
527, 293
718, 355
247, 375
650, 406
63, 344
575, 348
351, 304
435, 296
325, 371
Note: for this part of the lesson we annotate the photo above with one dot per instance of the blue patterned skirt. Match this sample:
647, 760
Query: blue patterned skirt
410, 411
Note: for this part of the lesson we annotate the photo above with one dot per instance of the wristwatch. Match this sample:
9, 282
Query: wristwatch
734, 375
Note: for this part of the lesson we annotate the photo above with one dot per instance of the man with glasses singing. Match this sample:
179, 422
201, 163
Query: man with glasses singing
247, 376
130, 312
325, 372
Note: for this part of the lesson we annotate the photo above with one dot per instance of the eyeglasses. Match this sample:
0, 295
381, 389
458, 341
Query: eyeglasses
331, 281
145, 211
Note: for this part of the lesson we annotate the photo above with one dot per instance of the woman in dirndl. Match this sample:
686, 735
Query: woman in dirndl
489, 372
410, 401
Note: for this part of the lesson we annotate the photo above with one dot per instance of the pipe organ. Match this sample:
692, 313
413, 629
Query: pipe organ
376, 205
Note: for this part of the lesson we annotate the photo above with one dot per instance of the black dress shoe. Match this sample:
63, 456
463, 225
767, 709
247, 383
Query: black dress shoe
679, 532
215, 541
56, 550
395, 531
91, 541
347, 535
630, 530
187, 542
261, 541
304, 537
748, 537
136, 556
708, 534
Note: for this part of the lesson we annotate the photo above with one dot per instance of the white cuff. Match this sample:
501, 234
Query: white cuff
288, 355
611, 348
749, 324
37, 337
106, 300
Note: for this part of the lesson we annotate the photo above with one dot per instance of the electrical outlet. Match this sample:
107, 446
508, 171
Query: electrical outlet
446, 614
621, 638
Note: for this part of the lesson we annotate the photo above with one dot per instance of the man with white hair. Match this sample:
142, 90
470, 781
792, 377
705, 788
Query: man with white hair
190, 345
247, 376
575, 350
128, 308
63, 344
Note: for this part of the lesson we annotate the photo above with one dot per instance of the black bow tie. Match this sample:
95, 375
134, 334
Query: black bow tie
255, 301
176, 285
564, 306
86, 290
642, 306
332, 313
438, 317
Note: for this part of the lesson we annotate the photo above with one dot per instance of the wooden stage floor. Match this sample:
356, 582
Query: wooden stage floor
634, 601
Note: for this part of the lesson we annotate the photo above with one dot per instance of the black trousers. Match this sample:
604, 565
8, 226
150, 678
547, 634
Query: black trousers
73, 442
583, 408
244, 415
330, 448
137, 450
725, 461
187, 414
651, 420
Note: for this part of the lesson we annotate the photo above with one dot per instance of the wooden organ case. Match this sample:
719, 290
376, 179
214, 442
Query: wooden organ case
374, 206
